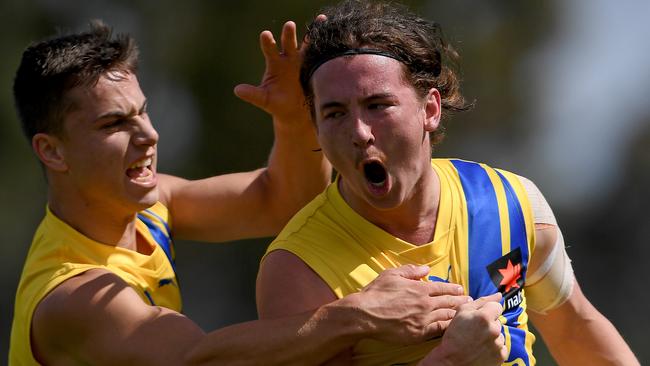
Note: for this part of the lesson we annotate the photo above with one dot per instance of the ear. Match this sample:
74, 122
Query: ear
433, 110
49, 150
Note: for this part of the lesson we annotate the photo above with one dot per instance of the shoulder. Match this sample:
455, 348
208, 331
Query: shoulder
542, 212
97, 318
547, 232
71, 314
317, 231
287, 285
166, 185
80, 297
286, 282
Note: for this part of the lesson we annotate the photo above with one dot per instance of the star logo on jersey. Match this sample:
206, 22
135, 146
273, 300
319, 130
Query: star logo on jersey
510, 276
507, 274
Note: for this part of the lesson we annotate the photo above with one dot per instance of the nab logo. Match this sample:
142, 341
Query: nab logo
506, 274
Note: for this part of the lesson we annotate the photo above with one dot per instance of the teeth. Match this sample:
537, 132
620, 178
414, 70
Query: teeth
141, 164
378, 184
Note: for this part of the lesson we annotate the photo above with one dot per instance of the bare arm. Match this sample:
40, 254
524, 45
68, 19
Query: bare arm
575, 332
260, 202
96, 318
402, 309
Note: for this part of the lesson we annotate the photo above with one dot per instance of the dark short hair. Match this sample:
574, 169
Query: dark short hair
430, 62
50, 68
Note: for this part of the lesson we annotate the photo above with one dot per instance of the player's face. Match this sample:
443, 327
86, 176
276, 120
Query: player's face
374, 129
109, 144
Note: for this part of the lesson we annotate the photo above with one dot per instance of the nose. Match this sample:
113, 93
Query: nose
362, 135
145, 133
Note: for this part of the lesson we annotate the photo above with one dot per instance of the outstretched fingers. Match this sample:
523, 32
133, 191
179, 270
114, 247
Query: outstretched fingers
256, 95
288, 43
268, 46
279, 92
289, 39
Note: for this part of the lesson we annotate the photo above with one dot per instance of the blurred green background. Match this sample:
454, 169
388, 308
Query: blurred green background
561, 97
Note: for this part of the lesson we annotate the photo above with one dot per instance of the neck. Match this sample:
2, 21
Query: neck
98, 221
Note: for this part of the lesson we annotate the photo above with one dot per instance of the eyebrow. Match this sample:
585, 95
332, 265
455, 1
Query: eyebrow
370, 98
379, 96
330, 105
121, 114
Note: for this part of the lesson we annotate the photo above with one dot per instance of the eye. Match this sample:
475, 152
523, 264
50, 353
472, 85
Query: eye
378, 106
114, 124
332, 114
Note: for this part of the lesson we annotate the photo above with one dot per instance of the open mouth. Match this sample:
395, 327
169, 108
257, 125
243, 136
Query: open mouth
375, 173
140, 170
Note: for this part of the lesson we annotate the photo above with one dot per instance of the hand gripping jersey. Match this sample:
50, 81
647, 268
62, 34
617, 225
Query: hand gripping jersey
483, 238
59, 252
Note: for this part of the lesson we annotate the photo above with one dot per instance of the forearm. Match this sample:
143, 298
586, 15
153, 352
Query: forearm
576, 333
595, 342
306, 339
250, 204
297, 170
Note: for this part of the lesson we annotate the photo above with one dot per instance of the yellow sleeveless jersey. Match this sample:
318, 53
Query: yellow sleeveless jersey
483, 239
59, 252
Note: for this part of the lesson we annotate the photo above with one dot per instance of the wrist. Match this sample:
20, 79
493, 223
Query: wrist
297, 123
300, 134
345, 316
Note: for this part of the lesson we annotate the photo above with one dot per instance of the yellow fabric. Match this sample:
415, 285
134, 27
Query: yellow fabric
59, 252
348, 252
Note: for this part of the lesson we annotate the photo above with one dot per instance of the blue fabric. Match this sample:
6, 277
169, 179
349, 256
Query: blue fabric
484, 241
518, 237
484, 235
159, 236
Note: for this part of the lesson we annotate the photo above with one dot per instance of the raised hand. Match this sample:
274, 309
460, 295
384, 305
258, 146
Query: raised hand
473, 337
279, 93
400, 308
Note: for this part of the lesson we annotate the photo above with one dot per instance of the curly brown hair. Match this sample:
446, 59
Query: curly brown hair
49, 68
430, 62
